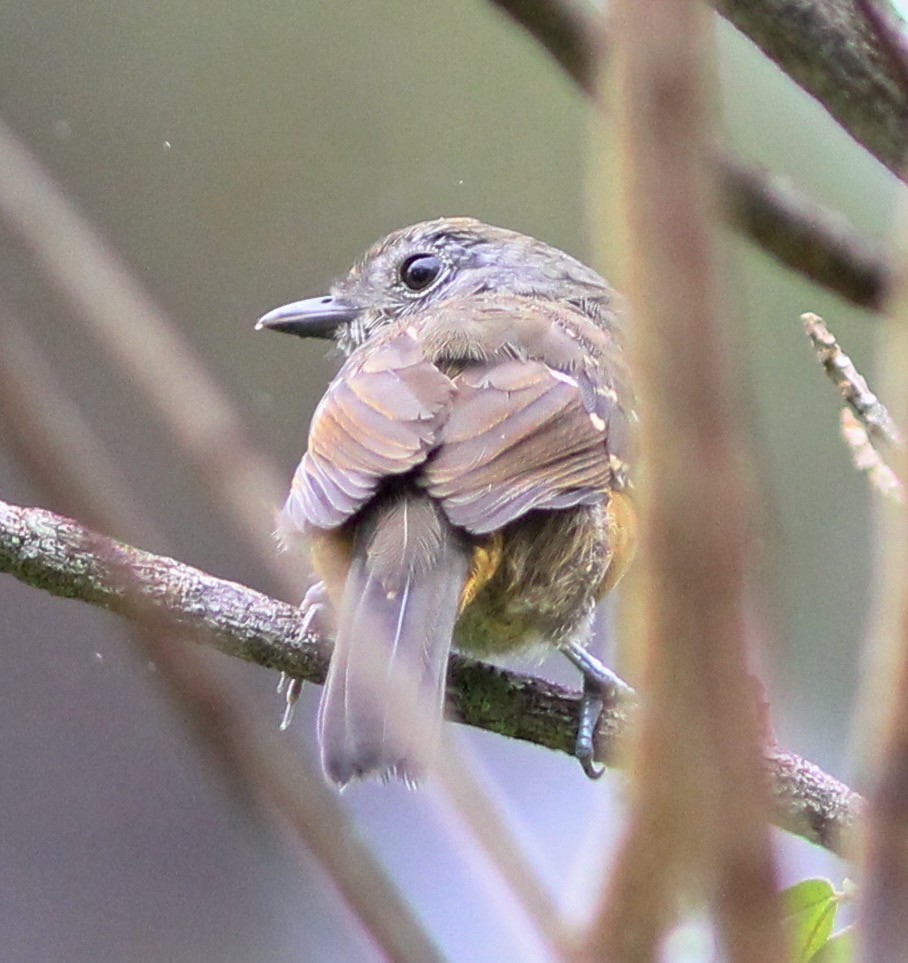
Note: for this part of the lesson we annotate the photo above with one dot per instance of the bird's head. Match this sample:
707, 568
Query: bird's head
420, 266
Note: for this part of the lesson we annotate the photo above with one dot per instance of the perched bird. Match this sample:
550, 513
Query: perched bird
467, 475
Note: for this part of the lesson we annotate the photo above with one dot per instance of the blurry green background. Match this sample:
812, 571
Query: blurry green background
239, 156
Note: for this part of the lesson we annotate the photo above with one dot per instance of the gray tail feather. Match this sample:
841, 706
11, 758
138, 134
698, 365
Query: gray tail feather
383, 702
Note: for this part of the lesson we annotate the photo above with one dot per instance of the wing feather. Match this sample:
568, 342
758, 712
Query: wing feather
379, 418
525, 436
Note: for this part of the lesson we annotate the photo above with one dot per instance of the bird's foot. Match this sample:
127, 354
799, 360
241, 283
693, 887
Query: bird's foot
600, 685
291, 687
313, 608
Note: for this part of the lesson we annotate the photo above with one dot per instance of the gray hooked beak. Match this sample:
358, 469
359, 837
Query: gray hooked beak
312, 318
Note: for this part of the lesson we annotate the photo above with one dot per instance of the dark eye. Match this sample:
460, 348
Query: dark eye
419, 271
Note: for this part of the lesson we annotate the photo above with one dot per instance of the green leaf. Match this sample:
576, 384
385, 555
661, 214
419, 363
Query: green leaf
839, 949
809, 909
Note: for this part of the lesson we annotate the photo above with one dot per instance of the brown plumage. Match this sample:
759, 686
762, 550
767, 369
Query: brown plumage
467, 474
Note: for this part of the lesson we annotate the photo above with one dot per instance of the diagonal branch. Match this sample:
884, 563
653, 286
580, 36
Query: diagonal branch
888, 31
64, 558
113, 307
825, 46
806, 237
63, 455
829, 50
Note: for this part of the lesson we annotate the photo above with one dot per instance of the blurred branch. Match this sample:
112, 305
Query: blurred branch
829, 50
65, 457
61, 557
804, 236
865, 422
148, 348
698, 816
887, 28
882, 923
53, 442
145, 346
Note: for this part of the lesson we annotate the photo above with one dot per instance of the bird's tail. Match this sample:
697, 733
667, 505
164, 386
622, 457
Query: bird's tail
383, 701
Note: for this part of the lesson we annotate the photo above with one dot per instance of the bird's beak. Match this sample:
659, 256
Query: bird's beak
312, 318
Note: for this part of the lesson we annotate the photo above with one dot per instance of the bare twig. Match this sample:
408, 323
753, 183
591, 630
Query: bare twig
867, 459
62, 557
865, 422
698, 821
855, 391
804, 236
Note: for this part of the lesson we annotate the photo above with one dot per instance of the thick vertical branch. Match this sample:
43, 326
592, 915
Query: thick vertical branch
883, 932
698, 824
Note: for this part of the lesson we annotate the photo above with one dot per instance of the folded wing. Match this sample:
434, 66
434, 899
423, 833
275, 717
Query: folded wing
379, 418
523, 436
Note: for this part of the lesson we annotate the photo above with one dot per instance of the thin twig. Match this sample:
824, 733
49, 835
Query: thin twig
865, 421
855, 391
807, 238
65, 559
867, 459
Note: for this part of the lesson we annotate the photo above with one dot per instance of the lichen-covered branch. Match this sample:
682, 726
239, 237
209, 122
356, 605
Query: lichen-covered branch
852, 385
804, 236
63, 558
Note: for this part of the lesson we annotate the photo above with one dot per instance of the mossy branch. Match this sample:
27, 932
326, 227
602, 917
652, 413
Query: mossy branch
66, 559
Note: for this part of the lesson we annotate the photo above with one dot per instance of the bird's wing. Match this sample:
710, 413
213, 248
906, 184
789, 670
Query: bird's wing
505, 404
379, 418
540, 422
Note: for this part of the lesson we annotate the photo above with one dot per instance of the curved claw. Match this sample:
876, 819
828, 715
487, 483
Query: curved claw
313, 609
590, 709
599, 684
291, 697
591, 768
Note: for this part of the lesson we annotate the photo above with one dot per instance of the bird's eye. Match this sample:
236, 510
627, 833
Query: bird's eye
419, 271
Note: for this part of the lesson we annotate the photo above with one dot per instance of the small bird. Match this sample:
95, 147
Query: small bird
467, 480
